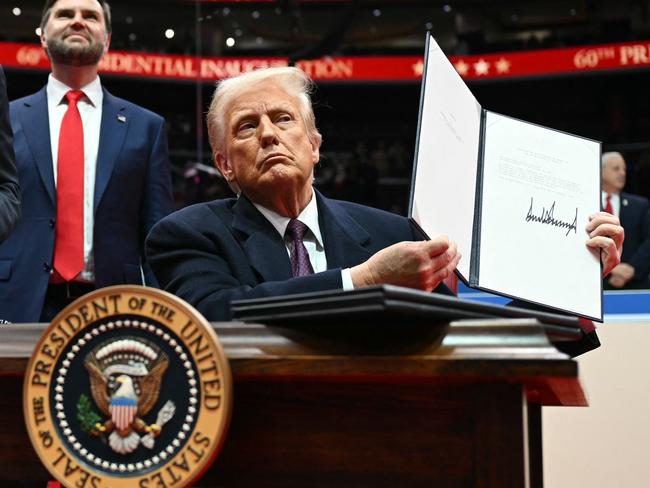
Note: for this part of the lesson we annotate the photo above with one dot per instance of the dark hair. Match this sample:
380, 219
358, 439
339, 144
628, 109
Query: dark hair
47, 10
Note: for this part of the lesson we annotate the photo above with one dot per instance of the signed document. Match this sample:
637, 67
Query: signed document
515, 196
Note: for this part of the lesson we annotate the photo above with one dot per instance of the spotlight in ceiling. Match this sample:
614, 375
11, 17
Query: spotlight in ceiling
38, 31
255, 14
446, 8
16, 11
376, 12
169, 33
230, 42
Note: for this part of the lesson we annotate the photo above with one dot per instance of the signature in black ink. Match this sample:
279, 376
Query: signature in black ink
546, 217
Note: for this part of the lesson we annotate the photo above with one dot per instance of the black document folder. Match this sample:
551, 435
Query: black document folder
387, 305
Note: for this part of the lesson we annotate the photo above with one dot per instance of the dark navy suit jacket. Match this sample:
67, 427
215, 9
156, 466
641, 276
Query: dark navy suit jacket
132, 192
212, 253
9, 192
635, 219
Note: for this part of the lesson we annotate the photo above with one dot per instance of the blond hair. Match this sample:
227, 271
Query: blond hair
292, 80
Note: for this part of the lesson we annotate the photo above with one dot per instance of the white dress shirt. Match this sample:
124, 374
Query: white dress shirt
90, 109
615, 199
313, 240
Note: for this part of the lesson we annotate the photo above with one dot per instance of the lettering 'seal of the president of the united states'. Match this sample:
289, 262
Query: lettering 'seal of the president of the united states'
128, 386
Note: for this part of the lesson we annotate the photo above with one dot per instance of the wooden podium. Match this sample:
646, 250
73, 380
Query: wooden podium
452, 405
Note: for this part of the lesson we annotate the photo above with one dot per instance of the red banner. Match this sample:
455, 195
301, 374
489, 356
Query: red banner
379, 68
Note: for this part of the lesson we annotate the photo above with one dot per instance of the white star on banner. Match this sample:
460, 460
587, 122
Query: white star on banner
481, 67
503, 65
462, 67
418, 68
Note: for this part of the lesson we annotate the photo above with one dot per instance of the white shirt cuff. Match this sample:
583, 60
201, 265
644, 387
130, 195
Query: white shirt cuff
346, 278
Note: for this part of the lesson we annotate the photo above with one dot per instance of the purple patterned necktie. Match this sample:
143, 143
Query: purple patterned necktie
300, 264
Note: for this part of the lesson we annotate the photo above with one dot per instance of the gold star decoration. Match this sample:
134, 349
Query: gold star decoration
481, 67
462, 67
418, 68
503, 66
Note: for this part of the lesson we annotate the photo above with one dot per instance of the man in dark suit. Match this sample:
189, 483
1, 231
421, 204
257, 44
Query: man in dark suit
634, 214
9, 192
281, 236
94, 172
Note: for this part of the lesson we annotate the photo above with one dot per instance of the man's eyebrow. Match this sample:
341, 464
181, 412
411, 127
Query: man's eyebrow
239, 114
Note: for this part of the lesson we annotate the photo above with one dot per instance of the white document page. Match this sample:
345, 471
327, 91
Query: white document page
539, 188
445, 173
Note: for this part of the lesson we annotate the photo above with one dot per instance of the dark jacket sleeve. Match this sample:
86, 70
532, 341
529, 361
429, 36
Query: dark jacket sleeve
158, 200
9, 190
199, 265
641, 258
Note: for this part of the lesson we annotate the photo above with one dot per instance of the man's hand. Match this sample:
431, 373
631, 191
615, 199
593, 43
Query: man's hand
621, 275
421, 265
606, 233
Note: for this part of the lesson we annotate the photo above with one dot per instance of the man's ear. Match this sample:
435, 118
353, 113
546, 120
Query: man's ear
224, 167
315, 142
43, 41
107, 43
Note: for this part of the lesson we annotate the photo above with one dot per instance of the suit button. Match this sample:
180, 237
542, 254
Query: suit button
47, 268
52, 222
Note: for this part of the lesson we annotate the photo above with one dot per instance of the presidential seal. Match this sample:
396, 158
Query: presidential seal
128, 387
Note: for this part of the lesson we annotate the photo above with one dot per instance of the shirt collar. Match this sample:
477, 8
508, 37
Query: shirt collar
56, 90
309, 217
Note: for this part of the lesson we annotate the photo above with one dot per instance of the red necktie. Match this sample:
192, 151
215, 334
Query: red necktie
68, 245
608, 204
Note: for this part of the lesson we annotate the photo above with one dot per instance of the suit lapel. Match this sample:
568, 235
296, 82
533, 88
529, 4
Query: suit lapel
262, 244
343, 237
624, 211
35, 121
114, 126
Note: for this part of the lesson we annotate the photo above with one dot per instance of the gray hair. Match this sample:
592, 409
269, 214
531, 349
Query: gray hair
609, 155
292, 80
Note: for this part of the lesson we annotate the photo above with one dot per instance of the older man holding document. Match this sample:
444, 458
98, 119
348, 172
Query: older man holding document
281, 236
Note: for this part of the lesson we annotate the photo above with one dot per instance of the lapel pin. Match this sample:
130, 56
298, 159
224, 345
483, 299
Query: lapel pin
625, 202
121, 118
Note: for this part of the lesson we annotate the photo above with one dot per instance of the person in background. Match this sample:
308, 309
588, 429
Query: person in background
94, 171
9, 190
633, 212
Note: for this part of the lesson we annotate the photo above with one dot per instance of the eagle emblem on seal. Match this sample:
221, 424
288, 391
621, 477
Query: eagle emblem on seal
125, 379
